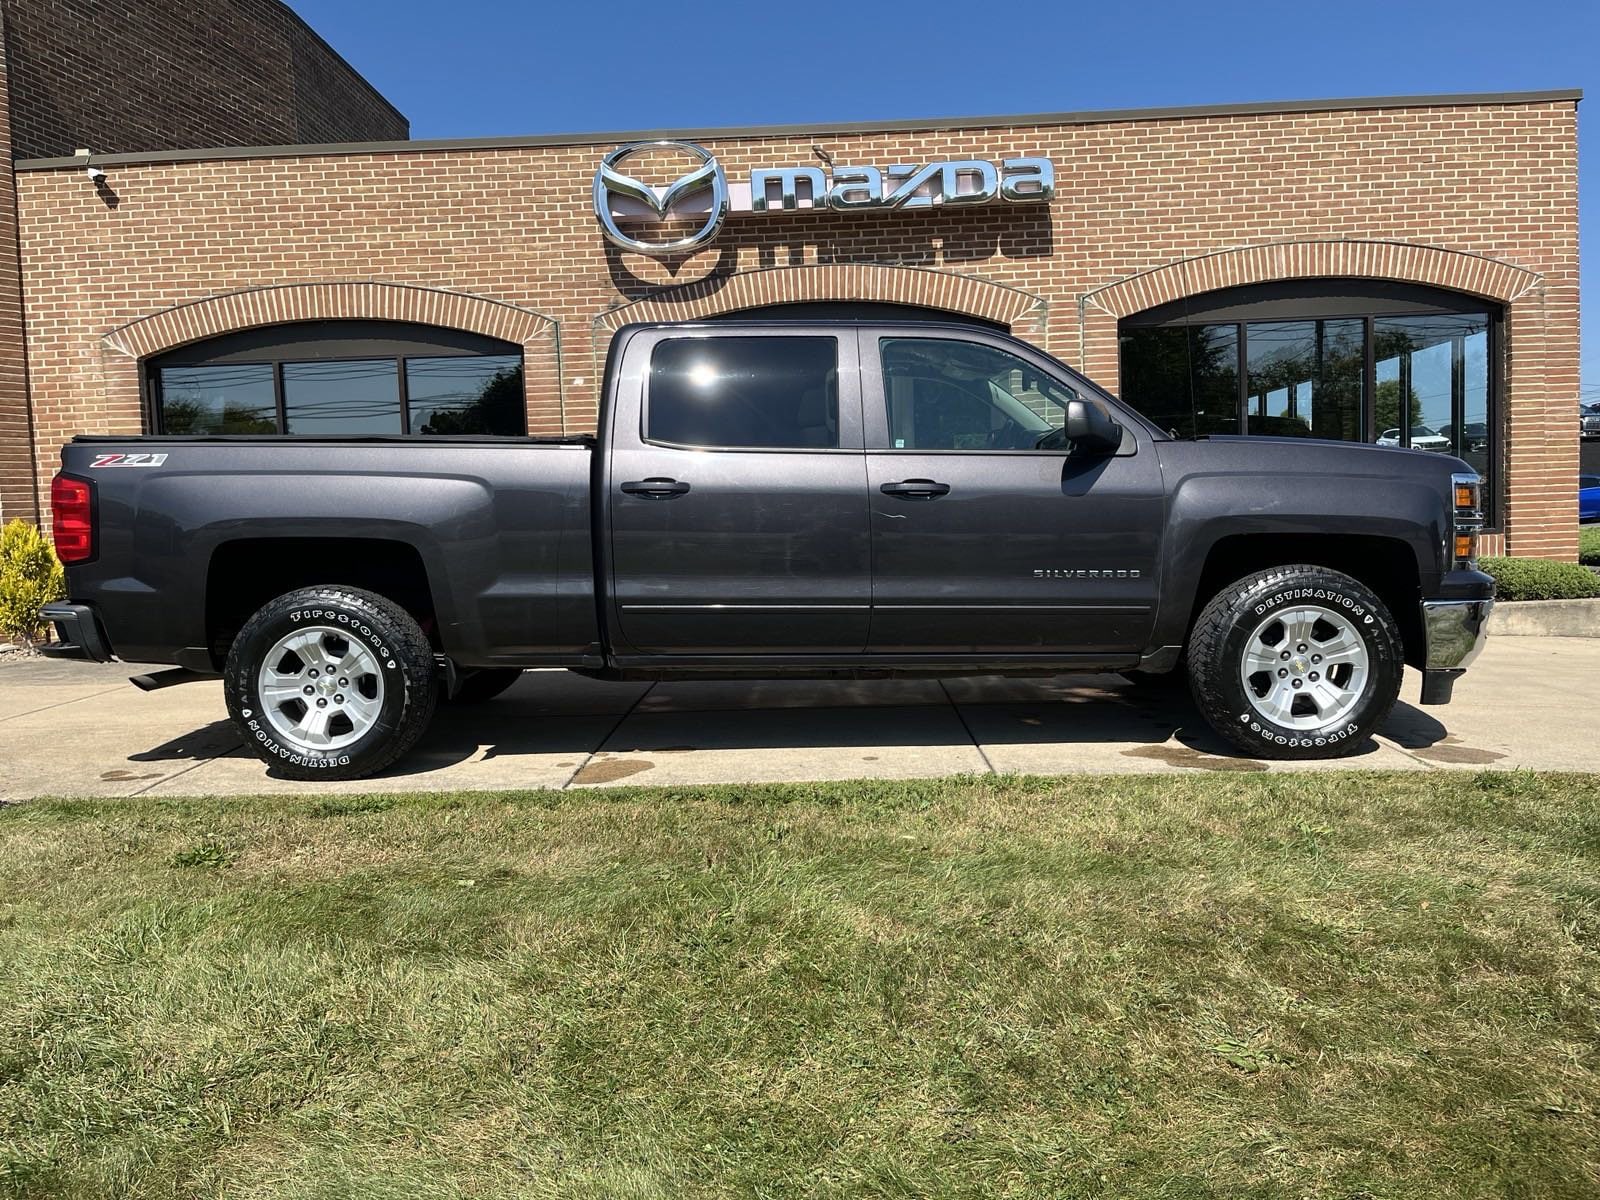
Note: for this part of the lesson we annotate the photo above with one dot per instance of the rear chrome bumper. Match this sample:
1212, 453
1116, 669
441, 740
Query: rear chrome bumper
1455, 631
79, 630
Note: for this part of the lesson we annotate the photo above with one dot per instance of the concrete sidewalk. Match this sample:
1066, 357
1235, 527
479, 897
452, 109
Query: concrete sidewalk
69, 728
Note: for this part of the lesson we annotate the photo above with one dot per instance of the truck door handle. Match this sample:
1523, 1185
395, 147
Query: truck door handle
915, 489
661, 489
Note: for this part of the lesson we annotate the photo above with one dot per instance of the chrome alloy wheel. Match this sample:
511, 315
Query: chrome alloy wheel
320, 689
1305, 667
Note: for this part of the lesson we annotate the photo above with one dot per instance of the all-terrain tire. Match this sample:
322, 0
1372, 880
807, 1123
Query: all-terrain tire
405, 686
478, 687
1228, 626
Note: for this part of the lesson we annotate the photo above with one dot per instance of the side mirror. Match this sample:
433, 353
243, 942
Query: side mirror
1091, 429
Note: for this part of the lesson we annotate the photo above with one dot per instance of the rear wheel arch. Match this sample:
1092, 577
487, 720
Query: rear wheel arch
243, 574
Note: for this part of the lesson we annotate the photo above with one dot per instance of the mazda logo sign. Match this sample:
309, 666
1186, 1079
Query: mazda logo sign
708, 176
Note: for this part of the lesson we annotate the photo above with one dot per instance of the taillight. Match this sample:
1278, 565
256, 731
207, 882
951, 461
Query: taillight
72, 518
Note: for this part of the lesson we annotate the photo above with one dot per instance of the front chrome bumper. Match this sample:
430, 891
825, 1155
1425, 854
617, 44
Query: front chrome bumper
1454, 631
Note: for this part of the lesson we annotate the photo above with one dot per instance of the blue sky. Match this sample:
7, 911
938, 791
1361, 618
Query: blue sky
474, 68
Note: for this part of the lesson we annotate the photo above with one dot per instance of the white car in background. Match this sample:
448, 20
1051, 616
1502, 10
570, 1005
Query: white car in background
1422, 438
1589, 420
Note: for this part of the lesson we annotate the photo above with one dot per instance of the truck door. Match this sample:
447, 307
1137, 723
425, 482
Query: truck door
989, 533
736, 494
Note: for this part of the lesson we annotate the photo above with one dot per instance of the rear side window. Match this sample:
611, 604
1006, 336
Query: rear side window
757, 392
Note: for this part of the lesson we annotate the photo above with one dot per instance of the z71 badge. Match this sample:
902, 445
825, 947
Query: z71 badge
127, 460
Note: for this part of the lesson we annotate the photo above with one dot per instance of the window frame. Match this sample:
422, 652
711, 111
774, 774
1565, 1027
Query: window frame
1367, 301
845, 374
354, 340
879, 439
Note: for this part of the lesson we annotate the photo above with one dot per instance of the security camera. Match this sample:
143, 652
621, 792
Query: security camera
95, 174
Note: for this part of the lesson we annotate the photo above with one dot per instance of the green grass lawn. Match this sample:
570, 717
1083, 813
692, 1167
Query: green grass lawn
1330, 985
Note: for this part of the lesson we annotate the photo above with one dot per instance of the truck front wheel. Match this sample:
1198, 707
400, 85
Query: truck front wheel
330, 683
1295, 662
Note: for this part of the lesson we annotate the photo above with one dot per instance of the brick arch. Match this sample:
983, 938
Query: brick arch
1406, 262
924, 287
285, 303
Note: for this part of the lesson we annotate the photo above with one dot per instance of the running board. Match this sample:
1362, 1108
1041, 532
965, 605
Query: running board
157, 680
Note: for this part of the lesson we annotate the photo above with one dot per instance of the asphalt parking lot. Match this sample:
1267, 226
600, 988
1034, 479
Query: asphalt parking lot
72, 728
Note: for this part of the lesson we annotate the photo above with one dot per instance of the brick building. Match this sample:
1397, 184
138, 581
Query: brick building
151, 75
1401, 270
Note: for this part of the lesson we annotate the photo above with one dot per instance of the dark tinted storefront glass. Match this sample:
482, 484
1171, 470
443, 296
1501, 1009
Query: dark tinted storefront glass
353, 397
1471, 437
759, 392
1184, 379
460, 394
1305, 378
221, 399
1432, 389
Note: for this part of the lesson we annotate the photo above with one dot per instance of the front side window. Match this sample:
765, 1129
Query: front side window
947, 394
760, 393
341, 378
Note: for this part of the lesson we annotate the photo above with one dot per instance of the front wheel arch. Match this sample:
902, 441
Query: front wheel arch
1386, 565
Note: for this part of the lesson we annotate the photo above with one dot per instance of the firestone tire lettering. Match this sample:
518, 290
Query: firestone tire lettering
403, 651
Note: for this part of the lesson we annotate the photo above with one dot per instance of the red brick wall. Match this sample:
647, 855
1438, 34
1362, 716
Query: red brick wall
1496, 181
174, 74
17, 469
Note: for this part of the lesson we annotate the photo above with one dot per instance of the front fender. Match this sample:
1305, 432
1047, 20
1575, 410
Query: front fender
1205, 508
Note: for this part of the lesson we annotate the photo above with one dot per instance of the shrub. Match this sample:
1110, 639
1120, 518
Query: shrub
1589, 545
1541, 579
30, 577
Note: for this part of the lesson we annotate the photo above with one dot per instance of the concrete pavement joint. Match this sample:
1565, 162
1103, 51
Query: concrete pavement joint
962, 717
59, 704
1412, 755
194, 766
609, 734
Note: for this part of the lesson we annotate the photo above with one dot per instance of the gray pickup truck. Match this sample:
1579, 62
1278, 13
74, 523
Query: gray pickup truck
778, 499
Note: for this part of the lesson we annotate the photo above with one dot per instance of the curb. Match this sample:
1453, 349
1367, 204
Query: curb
1546, 618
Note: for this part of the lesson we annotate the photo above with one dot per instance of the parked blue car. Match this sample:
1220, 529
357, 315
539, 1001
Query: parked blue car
1589, 497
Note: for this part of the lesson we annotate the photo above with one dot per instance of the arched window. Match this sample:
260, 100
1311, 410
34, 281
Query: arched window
340, 377
1347, 359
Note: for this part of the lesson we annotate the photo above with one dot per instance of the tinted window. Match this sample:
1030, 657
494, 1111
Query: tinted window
759, 392
1186, 379
1305, 378
342, 397
1339, 359
341, 377
1433, 374
460, 394
224, 399
945, 394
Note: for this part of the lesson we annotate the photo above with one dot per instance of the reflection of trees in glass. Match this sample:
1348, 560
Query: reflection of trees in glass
1184, 379
184, 414
1320, 364
1387, 406
496, 409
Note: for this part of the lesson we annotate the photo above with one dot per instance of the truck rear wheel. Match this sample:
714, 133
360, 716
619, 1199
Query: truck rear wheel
1295, 662
330, 683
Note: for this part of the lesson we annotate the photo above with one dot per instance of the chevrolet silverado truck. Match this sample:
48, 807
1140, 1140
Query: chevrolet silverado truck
770, 500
